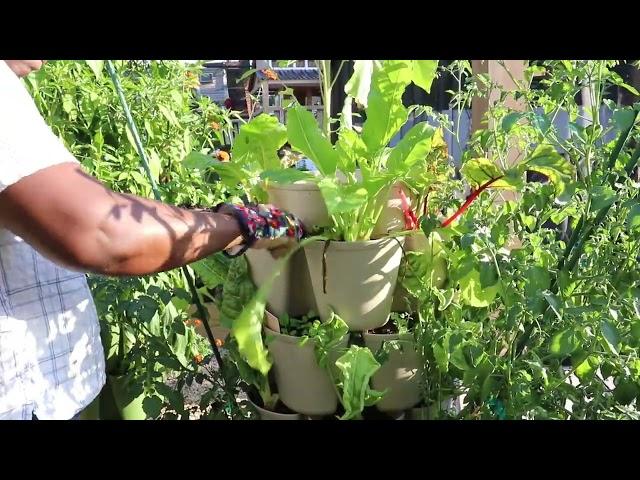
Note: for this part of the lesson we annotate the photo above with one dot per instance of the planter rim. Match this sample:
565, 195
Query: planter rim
289, 338
297, 416
389, 336
357, 245
292, 339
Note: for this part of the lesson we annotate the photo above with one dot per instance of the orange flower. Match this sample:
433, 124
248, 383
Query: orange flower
219, 342
270, 74
195, 322
214, 126
198, 358
222, 156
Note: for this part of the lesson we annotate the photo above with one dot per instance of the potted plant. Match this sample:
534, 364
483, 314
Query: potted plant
334, 366
261, 394
303, 384
145, 337
399, 374
352, 274
301, 197
427, 189
242, 312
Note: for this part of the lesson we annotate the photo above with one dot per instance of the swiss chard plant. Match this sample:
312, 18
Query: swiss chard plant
350, 370
358, 171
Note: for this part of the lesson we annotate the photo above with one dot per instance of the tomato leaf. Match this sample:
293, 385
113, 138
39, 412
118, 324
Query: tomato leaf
564, 343
546, 160
610, 336
602, 197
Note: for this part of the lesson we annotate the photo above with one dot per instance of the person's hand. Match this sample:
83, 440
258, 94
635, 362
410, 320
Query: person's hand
265, 227
22, 68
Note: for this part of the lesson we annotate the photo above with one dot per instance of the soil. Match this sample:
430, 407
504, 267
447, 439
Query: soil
388, 329
194, 392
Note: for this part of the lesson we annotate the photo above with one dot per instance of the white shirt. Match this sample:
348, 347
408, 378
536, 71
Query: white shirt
51, 357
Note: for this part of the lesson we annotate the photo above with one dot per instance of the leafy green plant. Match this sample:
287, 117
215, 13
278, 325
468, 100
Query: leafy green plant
359, 170
254, 159
356, 367
350, 371
145, 335
297, 327
537, 330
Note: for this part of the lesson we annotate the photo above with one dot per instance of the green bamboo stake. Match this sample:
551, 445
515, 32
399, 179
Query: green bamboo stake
156, 193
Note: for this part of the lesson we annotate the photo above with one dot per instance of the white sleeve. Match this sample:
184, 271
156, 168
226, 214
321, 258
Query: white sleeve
27, 143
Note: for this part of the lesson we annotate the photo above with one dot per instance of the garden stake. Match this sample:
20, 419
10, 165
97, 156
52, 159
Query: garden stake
156, 193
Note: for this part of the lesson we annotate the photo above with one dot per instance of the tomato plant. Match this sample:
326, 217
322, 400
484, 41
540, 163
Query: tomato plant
546, 329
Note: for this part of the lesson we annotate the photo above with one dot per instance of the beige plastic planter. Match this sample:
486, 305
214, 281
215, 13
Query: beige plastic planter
265, 414
360, 280
392, 217
416, 242
303, 199
291, 292
303, 386
400, 374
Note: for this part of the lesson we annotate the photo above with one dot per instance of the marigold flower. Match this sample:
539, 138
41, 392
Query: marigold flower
270, 74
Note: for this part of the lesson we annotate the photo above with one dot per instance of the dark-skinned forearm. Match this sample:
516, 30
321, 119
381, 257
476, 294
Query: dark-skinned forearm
76, 221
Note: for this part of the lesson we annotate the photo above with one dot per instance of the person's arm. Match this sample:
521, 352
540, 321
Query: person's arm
78, 222
70, 217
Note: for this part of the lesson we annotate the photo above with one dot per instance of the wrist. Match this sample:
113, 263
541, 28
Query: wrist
238, 239
242, 237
